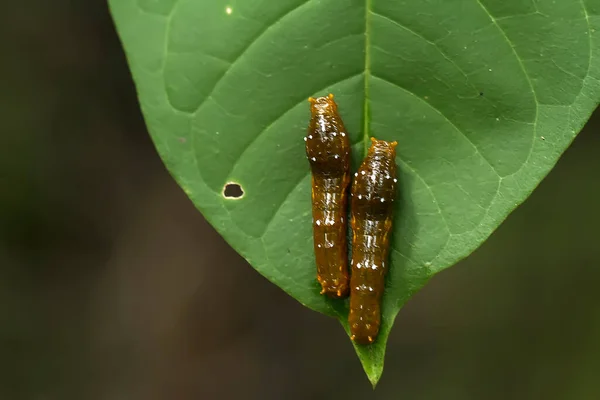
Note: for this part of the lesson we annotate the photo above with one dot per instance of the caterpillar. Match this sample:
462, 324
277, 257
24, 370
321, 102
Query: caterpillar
328, 152
373, 194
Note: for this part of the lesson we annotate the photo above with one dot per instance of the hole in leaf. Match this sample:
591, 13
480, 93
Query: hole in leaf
233, 191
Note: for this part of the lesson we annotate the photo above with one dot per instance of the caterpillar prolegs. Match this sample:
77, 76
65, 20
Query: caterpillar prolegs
373, 194
328, 152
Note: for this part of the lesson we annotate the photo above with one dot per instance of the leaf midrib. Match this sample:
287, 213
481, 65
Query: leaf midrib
367, 69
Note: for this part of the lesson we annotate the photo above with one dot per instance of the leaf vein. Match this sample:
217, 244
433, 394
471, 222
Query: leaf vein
537, 104
254, 40
442, 115
280, 116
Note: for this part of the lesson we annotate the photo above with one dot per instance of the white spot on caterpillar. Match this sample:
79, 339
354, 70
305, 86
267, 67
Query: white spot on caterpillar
314, 159
305, 138
334, 134
310, 136
343, 134
336, 156
382, 200
360, 196
319, 222
362, 172
395, 180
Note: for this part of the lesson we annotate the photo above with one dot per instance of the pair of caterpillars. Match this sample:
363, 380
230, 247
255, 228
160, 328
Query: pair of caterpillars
373, 192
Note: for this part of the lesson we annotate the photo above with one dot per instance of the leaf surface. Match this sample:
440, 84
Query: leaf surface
483, 96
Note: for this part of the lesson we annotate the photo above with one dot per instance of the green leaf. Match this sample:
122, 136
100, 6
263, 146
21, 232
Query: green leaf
483, 96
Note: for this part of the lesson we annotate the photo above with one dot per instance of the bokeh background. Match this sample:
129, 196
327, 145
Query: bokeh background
112, 285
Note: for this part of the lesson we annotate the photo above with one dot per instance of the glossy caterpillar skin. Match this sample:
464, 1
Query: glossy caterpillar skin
373, 195
328, 152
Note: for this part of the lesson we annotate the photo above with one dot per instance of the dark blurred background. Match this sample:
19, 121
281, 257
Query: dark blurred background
112, 285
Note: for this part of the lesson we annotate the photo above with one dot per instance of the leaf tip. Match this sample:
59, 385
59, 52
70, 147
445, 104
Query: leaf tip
374, 374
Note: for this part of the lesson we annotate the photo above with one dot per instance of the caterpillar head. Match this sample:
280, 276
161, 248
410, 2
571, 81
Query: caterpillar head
383, 147
322, 105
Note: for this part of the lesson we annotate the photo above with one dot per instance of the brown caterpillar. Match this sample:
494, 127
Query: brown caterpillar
328, 151
373, 194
